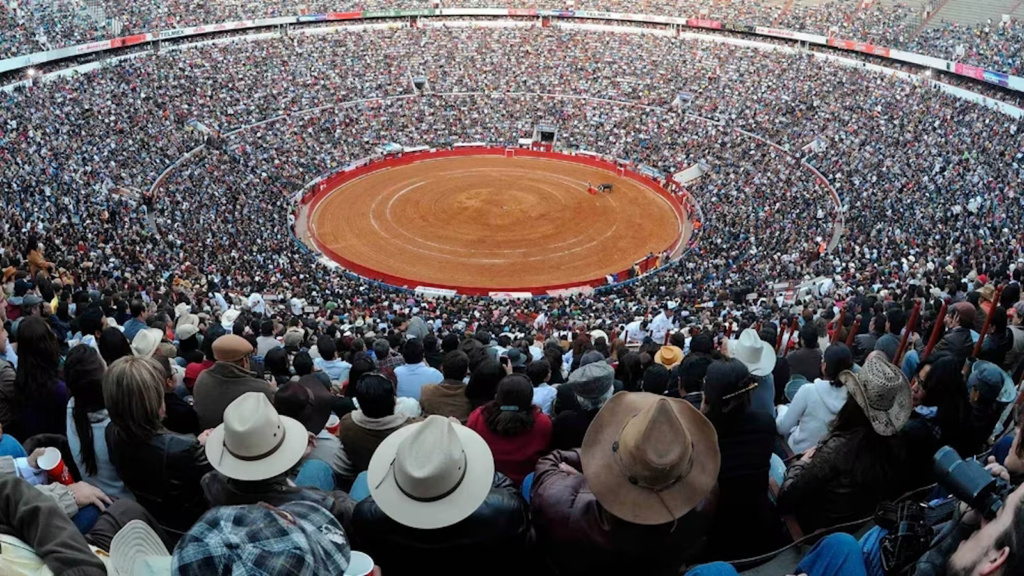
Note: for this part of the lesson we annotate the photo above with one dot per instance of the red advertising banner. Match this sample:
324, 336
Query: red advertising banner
968, 70
701, 23
344, 15
859, 47
522, 12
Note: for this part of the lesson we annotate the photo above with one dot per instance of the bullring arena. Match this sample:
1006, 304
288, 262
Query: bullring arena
425, 220
369, 224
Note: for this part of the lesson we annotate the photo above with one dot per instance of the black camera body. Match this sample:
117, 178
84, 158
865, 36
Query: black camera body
910, 523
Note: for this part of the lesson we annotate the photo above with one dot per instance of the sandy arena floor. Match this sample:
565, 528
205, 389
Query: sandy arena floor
492, 222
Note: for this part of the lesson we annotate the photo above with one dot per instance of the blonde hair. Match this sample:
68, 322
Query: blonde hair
133, 391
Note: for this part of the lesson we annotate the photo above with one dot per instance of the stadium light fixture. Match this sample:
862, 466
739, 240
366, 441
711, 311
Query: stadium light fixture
31, 72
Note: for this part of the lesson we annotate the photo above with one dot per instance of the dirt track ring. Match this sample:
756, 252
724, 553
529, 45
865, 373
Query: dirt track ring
486, 223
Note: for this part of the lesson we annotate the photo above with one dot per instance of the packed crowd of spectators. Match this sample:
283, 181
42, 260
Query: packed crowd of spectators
200, 372
35, 25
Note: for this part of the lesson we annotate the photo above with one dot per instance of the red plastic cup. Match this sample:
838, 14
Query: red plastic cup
53, 464
334, 424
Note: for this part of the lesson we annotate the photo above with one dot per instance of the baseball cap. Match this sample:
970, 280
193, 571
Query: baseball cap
990, 381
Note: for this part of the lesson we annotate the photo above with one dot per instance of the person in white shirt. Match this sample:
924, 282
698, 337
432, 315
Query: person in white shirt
636, 330
256, 303
539, 373
807, 419
297, 304
663, 323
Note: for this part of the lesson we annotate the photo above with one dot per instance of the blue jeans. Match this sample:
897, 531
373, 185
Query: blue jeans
834, 555
315, 474
360, 488
11, 447
1002, 448
910, 363
871, 548
86, 518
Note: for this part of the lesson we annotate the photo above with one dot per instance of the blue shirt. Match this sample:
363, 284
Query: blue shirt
336, 369
412, 377
132, 327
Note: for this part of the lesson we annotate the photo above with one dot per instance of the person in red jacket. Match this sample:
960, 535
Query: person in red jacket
517, 432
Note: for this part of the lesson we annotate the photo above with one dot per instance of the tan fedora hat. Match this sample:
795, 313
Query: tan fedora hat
431, 474
254, 442
668, 356
650, 459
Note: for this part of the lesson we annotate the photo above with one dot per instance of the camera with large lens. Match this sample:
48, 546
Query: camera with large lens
910, 524
969, 482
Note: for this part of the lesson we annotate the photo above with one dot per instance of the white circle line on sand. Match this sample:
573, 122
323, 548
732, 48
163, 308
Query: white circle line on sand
485, 260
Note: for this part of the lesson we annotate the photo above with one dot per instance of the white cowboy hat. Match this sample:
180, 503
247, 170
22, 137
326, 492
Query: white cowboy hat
254, 442
146, 341
229, 316
757, 355
431, 474
595, 334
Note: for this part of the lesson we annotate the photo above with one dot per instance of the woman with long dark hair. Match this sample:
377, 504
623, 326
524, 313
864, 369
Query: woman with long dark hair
88, 420
41, 397
516, 430
630, 372
483, 383
114, 345
861, 461
743, 523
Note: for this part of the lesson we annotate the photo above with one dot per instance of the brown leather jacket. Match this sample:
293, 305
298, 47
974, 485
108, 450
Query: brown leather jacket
578, 536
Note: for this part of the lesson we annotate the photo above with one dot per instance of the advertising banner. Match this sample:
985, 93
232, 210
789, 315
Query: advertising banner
780, 33
312, 18
739, 28
129, 40
522, 12
859, 47
556, 13
702, 23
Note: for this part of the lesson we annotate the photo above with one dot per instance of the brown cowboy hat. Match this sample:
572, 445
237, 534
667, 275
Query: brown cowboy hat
650, 459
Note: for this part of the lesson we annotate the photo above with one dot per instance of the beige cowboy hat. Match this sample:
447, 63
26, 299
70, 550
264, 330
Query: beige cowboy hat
254, 442
668, 356
146, 341
882, 391
756, 354
650, 459
431, 474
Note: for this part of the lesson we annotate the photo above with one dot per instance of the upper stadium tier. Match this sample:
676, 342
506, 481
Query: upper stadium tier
981, 40
807, 167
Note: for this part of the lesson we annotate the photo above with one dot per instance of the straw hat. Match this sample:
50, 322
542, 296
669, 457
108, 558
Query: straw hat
146, 342
756, 354
431, 474
882, 391
254, 442
987, 292
650, 459
595, 334
669, 356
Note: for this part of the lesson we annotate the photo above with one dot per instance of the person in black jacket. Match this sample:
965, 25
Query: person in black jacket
864, 344
162, 469
958, 340
743, 524
445, 511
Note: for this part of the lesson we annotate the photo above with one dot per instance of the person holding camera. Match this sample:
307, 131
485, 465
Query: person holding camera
975, 544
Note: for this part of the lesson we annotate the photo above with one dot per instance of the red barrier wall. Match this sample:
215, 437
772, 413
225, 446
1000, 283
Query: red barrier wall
324, 189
